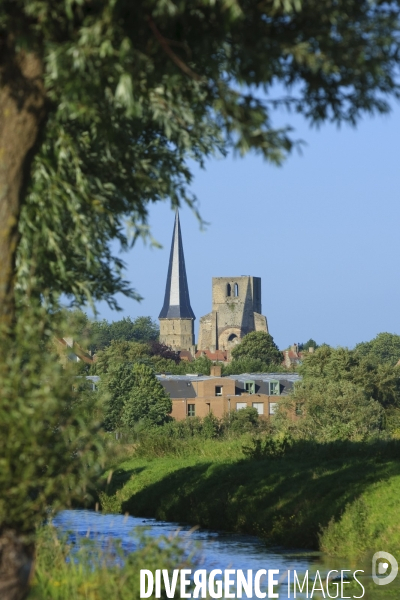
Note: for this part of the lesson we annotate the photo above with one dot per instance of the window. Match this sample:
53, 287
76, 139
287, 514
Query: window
240, 405
259, 406
272, 407
274, 388
228, 289
191, 410
236, 290
218, 390
250, 387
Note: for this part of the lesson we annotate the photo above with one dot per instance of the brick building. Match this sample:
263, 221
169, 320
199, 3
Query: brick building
197, 395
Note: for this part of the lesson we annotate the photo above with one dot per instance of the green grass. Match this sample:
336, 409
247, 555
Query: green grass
61, 574
343, 498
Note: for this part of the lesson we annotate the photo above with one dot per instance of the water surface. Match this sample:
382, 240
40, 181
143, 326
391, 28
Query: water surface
217, 550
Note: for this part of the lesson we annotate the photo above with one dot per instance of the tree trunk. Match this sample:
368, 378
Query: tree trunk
22, 111
16, 565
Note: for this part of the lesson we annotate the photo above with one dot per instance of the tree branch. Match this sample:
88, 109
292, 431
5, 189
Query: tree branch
165, 45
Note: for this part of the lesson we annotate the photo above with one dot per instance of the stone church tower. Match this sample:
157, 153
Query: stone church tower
176, 316
236, 311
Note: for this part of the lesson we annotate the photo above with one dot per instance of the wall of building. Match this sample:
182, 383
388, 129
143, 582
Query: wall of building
222, 405
177, 333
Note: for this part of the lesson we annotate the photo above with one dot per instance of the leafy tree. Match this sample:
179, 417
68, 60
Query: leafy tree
202, 365
157, 349
73, 323
100, 336
259, 346
379, 381
342, 395
106, 101
141, 329
147, 401
310, 344
384, 348
334, 410
144, 329
251, 365
121, 353
114, 390
102, 106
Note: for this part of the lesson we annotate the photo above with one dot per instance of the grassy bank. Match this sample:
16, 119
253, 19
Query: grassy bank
341, 497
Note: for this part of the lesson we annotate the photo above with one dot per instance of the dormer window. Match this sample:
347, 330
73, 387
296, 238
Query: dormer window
274, 388
250, 387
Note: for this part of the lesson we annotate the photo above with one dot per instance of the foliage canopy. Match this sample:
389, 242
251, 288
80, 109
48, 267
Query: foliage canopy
148, 401
141, 329
384, 348
258, 346
342, 395
131, 92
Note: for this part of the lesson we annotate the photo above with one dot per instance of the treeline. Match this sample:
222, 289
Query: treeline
98, 335
256, 353
345, 394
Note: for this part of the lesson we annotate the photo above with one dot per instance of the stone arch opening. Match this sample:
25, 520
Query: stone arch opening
236, 290
228, 289
232, 337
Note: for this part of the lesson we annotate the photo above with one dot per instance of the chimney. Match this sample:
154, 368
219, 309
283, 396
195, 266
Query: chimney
215, 371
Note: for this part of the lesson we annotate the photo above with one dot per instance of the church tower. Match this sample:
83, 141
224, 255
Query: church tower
236, 311
176, 316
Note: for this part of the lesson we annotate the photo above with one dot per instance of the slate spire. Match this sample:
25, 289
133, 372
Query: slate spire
176, 301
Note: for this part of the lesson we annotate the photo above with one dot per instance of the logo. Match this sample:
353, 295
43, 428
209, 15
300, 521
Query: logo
383, 565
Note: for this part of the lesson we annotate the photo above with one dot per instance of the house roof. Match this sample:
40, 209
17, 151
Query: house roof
185, 355
219, 355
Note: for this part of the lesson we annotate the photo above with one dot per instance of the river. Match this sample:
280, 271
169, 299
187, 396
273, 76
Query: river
217, 550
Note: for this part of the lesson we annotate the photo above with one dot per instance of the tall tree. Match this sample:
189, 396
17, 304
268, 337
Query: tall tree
103, 103
148, 401
115, 388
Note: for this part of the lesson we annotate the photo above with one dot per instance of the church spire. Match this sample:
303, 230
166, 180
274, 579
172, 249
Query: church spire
176, 301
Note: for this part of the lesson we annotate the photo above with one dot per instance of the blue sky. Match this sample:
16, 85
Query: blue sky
322, 232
